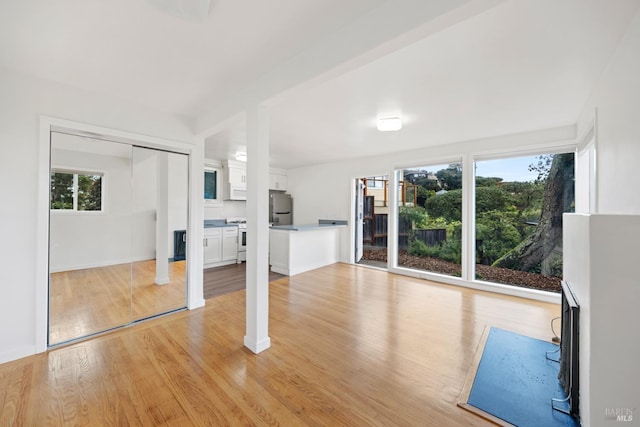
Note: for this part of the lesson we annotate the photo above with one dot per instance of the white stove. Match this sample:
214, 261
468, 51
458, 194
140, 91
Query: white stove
242, 236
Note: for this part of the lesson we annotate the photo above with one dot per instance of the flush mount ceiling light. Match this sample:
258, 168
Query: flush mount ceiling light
241, 157
191, 10
388, 124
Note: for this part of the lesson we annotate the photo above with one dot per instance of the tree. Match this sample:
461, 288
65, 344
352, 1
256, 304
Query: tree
89, 192
483, 181
496, 235
61, 190
492, 199
416, 214
423, 195
558, 197
447, 205
451, 177
542, 166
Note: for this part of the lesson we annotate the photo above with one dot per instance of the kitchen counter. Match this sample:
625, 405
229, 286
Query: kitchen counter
294, 249
306, 227
217, 223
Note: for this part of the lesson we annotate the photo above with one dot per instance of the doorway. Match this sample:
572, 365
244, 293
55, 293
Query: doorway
372, 214
118, 218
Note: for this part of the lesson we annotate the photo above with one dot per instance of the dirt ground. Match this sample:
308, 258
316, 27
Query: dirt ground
483, 272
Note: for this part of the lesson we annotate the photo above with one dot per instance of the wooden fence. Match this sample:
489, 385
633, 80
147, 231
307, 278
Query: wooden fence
375, 232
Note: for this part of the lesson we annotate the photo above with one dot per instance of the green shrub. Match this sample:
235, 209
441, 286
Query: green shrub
417, 215
419, 248
496, 234
556, 266
451, 251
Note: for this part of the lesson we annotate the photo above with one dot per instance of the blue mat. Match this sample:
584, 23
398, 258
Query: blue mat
515, 381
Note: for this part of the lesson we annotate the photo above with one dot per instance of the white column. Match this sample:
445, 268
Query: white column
162, 218
257, 324
468, 218
195, 296
392, 222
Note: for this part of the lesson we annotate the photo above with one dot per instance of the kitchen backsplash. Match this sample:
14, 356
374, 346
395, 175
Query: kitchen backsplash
229, 208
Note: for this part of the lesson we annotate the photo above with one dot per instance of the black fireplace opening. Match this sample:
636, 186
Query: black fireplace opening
569, 350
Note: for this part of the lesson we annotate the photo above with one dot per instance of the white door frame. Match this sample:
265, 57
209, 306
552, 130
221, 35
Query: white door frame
359, 220
194, 150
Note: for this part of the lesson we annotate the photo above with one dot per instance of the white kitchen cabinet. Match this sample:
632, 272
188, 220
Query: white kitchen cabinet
220, 246
230, 244
277, 181
235, 180
212, 245
238, 176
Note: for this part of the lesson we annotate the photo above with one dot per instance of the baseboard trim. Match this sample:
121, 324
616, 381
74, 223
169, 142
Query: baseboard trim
17, 353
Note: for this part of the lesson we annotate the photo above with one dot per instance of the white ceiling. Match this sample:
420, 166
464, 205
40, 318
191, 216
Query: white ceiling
520, 65
132, 50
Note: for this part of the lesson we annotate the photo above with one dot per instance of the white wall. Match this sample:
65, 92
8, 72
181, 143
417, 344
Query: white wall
600, 266
92, 239
125, 230
23, 100
616, 98
141, 215
229, 208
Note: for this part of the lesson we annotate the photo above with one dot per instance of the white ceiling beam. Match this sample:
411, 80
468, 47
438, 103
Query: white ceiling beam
389, 27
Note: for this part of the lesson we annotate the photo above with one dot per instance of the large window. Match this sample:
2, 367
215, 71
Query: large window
519, 206
430, 219
76, 191
517, 210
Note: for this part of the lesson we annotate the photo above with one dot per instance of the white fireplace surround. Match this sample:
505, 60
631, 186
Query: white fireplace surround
601, 258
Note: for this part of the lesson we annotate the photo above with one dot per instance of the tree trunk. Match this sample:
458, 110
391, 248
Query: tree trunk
557, 198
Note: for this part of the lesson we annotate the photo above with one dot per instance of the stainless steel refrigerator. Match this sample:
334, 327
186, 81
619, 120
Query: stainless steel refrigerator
280, 209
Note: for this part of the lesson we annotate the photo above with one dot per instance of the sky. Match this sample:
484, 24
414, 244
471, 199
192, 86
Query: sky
509, 169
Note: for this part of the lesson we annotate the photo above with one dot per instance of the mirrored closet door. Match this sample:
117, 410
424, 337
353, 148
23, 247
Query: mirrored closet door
118, 220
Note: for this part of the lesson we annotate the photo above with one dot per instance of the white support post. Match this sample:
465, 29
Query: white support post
468, 218
162, 218
257, 315
392, 225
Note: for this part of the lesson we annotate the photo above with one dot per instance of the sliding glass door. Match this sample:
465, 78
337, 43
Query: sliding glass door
114, 213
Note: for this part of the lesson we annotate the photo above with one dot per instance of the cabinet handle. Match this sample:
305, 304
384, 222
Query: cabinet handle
184, 238
206, 242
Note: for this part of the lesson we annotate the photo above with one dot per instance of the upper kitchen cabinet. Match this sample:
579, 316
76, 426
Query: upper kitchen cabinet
277, 180
235, 181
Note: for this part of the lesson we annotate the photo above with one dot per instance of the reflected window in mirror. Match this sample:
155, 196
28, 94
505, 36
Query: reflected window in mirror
75, 191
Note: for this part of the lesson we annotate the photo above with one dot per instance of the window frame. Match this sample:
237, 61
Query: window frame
210, 166
76, 172
398, 171
501, 148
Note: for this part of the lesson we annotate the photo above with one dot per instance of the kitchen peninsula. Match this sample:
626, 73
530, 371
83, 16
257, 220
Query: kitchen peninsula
295, 248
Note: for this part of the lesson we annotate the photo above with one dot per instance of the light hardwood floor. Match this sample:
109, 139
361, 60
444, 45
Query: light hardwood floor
350, 346
229, 278
83, 302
